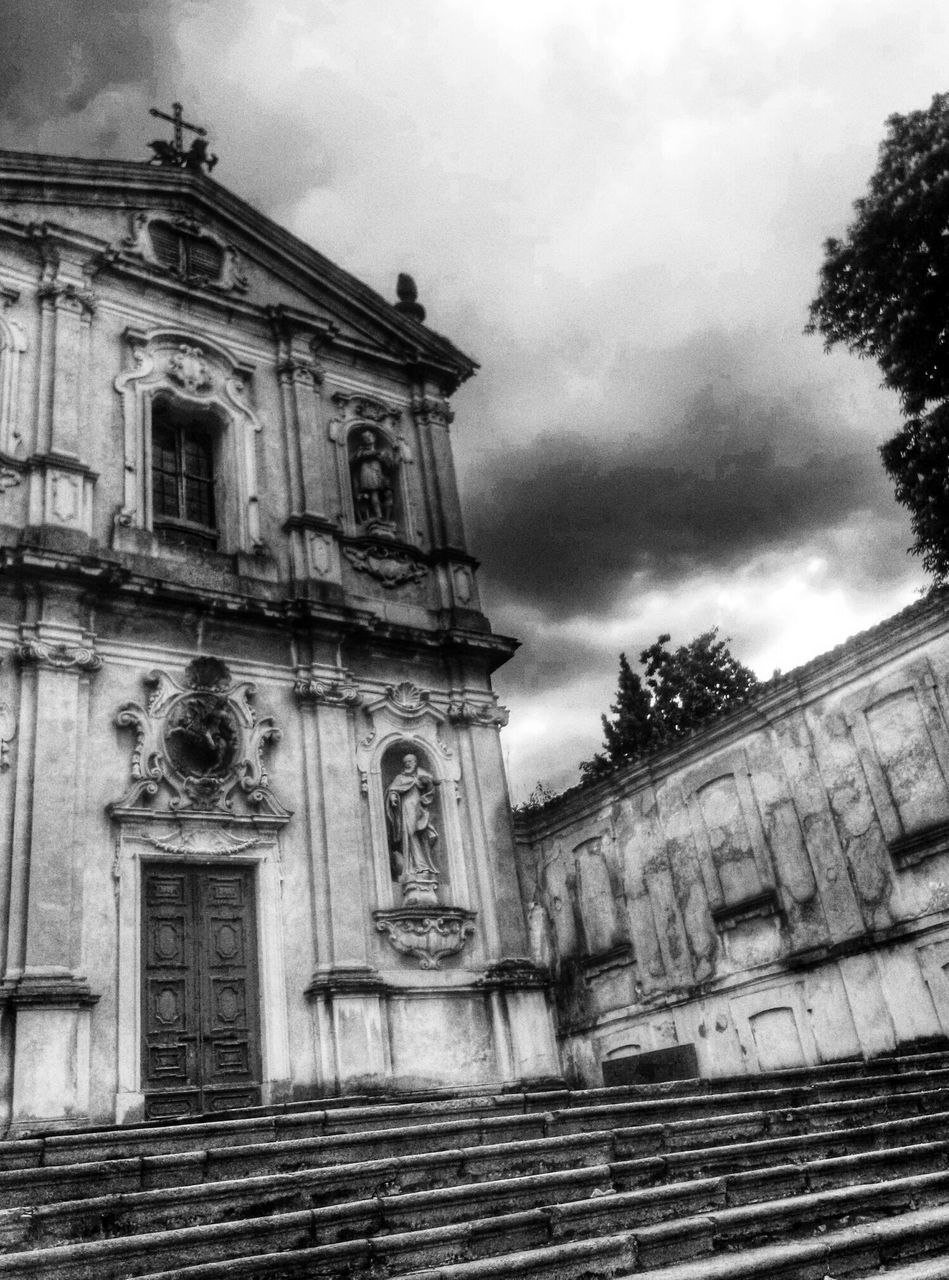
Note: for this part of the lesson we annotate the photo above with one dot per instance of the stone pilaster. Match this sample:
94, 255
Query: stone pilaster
345, 993
61, 482
432, 419
43, 979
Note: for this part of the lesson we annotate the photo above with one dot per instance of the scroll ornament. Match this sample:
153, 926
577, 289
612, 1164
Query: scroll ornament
201, 742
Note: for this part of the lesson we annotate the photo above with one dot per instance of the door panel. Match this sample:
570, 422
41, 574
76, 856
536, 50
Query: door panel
200, 1002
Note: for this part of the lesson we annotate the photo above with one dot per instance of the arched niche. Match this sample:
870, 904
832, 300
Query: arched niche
403, 722
375, 478
192, 379
357, 417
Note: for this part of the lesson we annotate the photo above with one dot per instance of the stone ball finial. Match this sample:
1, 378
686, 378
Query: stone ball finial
408, 302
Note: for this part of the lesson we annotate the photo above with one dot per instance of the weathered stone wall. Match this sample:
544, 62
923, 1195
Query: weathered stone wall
773, 890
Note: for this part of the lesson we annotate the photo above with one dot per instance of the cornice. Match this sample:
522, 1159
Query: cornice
111, 579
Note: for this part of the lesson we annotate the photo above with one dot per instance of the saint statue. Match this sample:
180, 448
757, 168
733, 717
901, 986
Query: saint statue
372, 466
412, 838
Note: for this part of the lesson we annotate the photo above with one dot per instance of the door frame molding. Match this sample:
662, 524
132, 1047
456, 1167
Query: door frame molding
203, 842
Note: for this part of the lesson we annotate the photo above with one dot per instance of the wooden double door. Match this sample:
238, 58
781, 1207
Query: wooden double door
200, 1003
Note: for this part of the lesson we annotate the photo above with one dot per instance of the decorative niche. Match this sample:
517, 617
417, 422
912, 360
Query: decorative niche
373, 461
190, 447
899, 729
410, 778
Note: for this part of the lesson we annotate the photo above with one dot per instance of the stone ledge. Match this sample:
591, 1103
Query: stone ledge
47, 992
917, 846
761, 906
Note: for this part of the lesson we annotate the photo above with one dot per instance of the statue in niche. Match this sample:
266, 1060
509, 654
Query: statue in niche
373, 468
410, 797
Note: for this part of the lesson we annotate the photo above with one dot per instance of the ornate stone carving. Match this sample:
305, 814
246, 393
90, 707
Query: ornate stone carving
202, 741
187, 234
487, 714
432, 409
9, 479
407, 696
189, 369
63, 657
362, 409
429, 935
68, 296
210, 841
7, 732
393, 568
311, 689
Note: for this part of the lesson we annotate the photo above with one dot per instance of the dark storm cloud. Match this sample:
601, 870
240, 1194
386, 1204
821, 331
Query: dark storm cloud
566, 521
55, 57
78, 76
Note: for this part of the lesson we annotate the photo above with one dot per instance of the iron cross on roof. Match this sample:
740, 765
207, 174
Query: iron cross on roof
173, 154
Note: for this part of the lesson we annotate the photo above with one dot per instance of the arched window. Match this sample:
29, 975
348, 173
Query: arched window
190, 448
183, 472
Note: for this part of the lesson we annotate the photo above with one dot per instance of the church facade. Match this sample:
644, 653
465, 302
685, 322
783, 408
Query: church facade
256, 840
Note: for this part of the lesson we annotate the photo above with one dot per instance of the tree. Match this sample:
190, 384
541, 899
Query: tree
884, 294
682, 690
541, 795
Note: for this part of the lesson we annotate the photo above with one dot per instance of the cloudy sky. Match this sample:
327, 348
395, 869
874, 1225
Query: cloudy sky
617, 207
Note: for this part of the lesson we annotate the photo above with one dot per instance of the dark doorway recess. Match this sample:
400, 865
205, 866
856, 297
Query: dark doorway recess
200, 1005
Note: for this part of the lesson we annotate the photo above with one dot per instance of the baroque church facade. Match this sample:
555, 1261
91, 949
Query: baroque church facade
256, 840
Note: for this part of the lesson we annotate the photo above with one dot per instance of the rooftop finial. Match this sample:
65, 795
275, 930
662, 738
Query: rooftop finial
173, 154
408, 302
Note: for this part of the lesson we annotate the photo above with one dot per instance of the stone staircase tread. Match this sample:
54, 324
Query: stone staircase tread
634, 1099
271, 1185
557, 1220
925, 1269
734, 1188
497, 1094
616, 1250
199, 1168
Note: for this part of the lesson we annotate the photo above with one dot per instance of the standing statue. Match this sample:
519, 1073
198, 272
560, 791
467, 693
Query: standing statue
372, 466
412, 838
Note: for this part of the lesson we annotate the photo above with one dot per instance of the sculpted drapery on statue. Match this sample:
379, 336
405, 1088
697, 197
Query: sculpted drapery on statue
410, 798
373, 468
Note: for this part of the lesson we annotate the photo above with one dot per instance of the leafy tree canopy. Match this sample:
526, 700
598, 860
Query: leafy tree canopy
678, 691
884, 294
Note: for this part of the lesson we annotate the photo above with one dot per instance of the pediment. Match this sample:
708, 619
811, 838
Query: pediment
133, 218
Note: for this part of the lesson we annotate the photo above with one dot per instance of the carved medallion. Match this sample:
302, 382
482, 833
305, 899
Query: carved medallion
201, 736
200, 742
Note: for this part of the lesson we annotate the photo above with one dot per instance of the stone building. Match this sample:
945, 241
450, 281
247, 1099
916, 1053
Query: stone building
771, 892
255, 838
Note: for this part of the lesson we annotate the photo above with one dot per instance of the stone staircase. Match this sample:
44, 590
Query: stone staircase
832, 1171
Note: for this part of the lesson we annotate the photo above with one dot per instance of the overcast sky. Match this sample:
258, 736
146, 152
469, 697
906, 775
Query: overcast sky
618, 209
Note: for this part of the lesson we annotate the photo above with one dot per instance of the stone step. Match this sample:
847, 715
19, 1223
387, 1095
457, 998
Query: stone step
639, 1157
926, 1269
122, 1143
558, 1095
583, 1238
670, 1224
451, 1197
